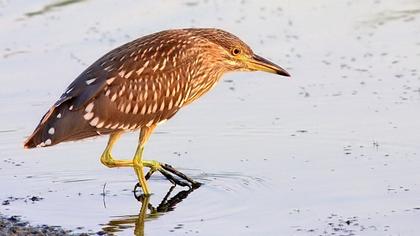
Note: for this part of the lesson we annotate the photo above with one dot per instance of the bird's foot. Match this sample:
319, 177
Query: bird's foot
169, 172
191, 183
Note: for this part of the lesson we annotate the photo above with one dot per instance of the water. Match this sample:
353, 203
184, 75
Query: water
333, 151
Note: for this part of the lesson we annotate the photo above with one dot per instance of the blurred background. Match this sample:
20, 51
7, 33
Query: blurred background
332, 151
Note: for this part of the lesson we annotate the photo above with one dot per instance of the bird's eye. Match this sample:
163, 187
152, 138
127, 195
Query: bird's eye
236, 51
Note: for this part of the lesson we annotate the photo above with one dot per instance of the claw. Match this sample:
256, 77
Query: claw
172, 170
169, 172
174, 180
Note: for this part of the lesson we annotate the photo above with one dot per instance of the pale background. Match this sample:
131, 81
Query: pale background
338, 142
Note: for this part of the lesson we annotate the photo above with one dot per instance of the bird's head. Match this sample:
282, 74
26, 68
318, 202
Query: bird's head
235, 55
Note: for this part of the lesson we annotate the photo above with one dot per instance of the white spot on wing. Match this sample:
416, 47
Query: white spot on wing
142, 68
69, 90
162, 106
149, 123
100, 125
139, 71
114, 97
89, 107
51, 131
146, 92
89, 81
143, 109
48, 142
149, 110
88, 116
136, 109
155, 106
128, 74
170, 104
163, 65
94, 122
127, 109
110, 80
122, 73
122, 90
121, 107
178, 101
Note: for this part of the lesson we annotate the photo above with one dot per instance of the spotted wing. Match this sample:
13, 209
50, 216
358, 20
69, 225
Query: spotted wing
132, 101
133, 85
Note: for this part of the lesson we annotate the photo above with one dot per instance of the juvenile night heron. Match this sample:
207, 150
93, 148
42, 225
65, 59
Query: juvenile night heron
141, 84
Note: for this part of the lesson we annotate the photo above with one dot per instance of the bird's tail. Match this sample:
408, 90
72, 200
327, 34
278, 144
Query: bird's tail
60, 124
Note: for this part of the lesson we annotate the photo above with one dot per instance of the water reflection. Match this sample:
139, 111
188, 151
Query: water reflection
147, 212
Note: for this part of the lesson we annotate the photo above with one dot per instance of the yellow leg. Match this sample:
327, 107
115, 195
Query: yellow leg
138, 158
106, 157
138, 163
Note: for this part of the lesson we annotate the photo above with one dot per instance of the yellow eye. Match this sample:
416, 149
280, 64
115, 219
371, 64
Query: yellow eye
236, 51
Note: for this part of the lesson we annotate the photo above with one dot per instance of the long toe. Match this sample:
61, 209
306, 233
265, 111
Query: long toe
174, 180
167, 167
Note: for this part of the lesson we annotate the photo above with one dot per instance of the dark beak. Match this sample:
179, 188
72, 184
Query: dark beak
262, 64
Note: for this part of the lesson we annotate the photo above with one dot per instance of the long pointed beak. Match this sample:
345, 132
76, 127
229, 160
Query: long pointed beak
262, 64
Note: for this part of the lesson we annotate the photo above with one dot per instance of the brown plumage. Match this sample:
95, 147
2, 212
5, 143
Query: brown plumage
140, 83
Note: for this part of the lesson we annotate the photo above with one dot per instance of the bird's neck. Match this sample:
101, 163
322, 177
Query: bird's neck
203, 82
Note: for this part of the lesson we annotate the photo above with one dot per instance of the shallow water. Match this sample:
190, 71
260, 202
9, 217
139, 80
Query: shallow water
333, 151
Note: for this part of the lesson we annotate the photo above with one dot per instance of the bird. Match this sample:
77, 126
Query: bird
141, 84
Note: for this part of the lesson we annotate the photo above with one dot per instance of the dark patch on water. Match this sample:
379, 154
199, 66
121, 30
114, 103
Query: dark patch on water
50, 7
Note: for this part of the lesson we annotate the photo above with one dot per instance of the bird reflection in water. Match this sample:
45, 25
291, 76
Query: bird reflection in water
147, 212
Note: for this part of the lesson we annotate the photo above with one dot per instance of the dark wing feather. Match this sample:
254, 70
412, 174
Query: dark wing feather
91, 81
146, 65
131, 56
